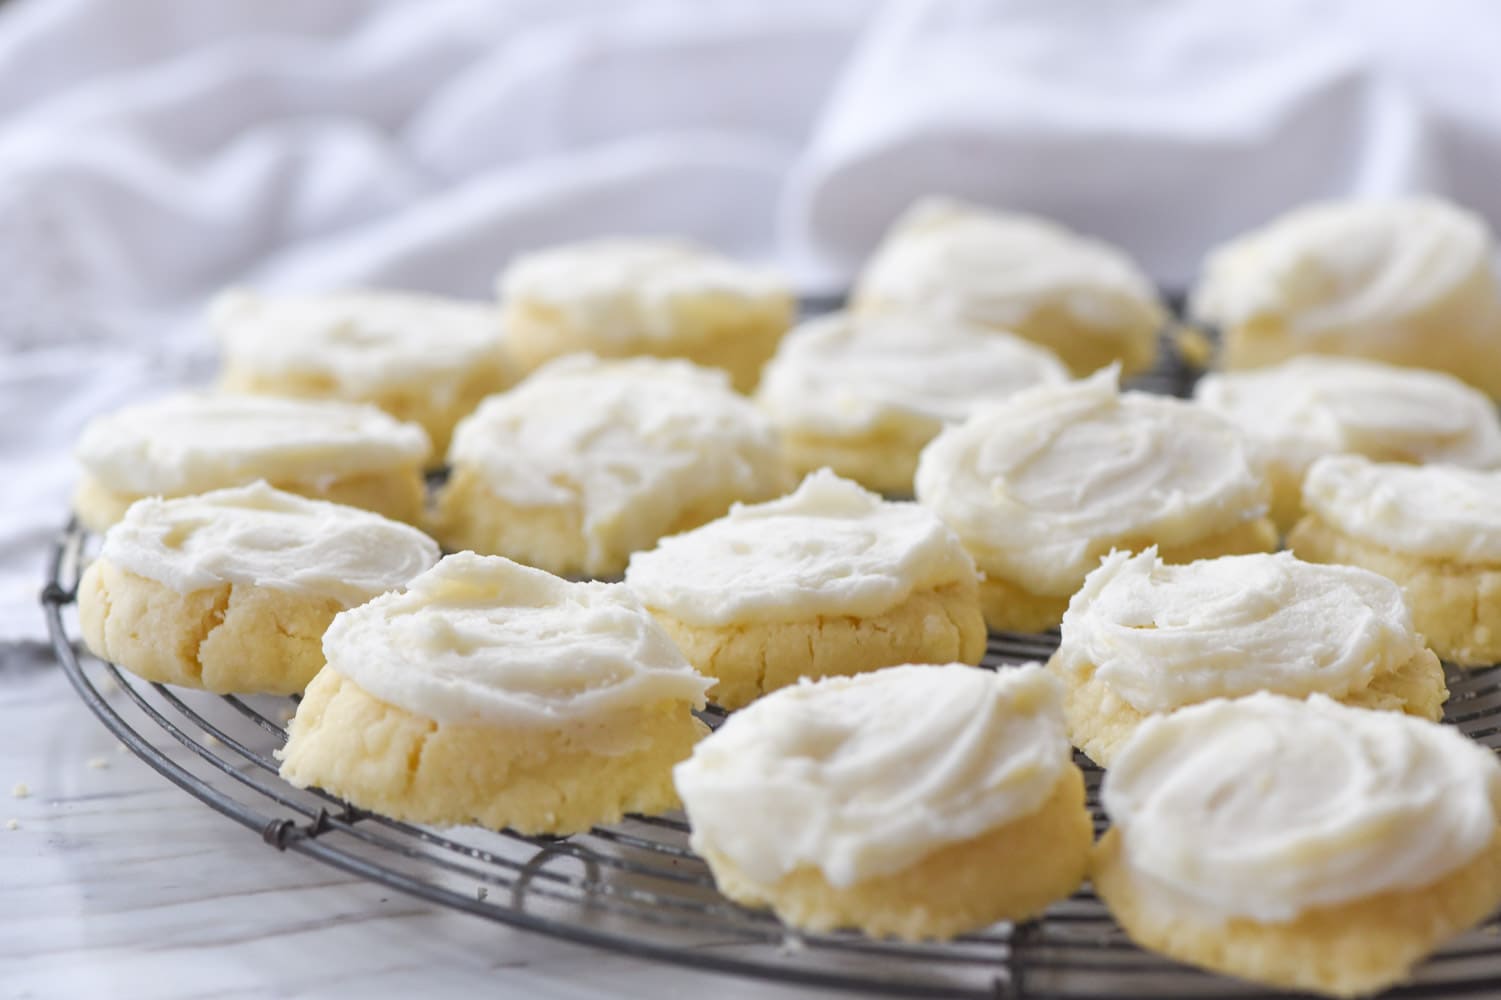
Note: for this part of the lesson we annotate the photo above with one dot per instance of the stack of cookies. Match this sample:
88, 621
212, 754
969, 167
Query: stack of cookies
660, 493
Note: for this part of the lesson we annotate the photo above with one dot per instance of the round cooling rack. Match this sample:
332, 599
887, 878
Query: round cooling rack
636, 888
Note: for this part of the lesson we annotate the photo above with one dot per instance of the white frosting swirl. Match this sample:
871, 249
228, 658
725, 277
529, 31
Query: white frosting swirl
1312, 405
362, 342
630, 288
266, 538
1267, 806
481, 640
633, 443
1360, 268
195, 442
1162, 636
1041, 486
844, 776
830, 548
1435, 511
962, 261
848, 374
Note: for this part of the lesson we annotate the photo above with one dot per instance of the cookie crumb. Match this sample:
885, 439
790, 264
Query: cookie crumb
121, 748
13, 824
98, 763
212, 740
1193, 345
21, 790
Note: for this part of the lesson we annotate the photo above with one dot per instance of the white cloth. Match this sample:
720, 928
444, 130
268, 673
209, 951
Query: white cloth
154, 150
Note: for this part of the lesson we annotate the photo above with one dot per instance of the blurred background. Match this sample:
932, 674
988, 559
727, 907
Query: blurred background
153, 151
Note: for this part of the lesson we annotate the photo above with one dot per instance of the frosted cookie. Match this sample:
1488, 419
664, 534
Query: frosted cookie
1408, 281
1308, 407
1081, 299
828, 580
914, 802
491, 693
862, 394
232, 590
1434, 529
1144, 638
420, 358
1041, 486
1301, 844
195, 442
587, 461
659, 297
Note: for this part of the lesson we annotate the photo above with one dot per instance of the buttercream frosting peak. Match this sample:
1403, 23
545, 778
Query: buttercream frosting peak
363, 341
1434, 511
1314, 405
1161, 636
632, 443
264, 537
842, 775
830, 547
1348, 266
630, 288
1041, 486
482, 640
195, 441
997, 268
850, 374
1267, 806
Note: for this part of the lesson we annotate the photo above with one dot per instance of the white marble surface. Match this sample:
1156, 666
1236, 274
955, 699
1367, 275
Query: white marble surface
116, 884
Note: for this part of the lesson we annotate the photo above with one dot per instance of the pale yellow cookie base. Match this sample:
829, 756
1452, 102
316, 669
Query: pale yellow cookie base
436, 405
1009, 607
230, 639
399, 494
1457, 606
885, 463
399, 764
1286, 483
471, 517
942, 625
1099, 721
1352, 949
1082, 349
1011, 873
1193, 345
737, 337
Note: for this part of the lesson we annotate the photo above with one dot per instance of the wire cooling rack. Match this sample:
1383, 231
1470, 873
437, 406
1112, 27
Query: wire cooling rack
635, 887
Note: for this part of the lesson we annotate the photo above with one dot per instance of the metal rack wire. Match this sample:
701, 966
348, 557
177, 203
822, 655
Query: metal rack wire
636, 888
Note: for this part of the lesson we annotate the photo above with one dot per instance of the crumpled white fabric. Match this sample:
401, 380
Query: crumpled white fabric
155, 150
